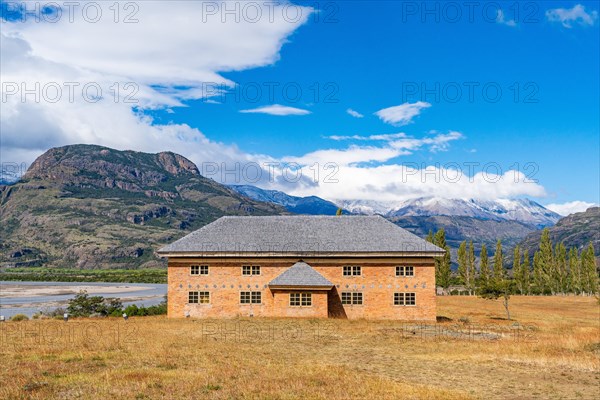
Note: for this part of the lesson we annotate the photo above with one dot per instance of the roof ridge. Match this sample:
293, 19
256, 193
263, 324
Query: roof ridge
300, 274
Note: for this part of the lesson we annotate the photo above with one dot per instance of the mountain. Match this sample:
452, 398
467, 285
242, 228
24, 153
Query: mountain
518, 210
459, 228
480, 221
577, 230
85, 206
311, 205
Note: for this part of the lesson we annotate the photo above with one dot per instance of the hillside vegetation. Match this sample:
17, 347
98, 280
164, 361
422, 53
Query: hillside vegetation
87, 207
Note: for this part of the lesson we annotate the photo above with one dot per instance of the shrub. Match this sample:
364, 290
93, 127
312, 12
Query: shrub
83, 305
19, 317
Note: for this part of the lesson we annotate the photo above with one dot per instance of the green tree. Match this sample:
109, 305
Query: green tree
560, 269
546, 262
538, 273
339, 212
466, 266
462, 263
484, 268
472, 273
498, 285
498, 289
589, 270
443, 272
517, 270
526, 273
429, 237
84, 305
575, 281
499, 272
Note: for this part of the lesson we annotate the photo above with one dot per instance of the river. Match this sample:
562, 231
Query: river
31, 297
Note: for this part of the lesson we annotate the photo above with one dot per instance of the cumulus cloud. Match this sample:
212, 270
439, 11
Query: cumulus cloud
569, 16
277, 109
570, 207
170, 66
402, 114
342, 180
353, 113
130, 67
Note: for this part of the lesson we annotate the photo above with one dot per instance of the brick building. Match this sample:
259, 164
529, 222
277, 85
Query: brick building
302, 266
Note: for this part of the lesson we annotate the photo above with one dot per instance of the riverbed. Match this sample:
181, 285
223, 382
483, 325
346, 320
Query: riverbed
31, 297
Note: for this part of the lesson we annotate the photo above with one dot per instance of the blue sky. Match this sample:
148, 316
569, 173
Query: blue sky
371, 56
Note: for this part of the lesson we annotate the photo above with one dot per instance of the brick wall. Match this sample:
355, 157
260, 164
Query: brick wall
377, 284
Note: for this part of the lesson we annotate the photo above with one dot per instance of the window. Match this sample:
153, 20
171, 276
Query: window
204, 297
199, 270
405, 299
250, 297
352, 270
193, 297
405, 270
199, 297
250, 269
300, 299
352, 298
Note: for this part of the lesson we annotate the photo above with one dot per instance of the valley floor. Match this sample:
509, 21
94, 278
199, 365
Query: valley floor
553, 353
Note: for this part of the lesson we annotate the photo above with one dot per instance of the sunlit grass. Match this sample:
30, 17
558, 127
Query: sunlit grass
557, 356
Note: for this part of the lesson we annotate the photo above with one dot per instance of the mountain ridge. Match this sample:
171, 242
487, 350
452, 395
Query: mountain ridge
88, 206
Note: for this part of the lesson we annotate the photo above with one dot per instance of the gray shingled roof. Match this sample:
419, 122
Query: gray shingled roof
301, 274
299, 235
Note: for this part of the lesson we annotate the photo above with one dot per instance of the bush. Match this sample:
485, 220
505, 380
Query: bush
135, 311
19, 317
83, 305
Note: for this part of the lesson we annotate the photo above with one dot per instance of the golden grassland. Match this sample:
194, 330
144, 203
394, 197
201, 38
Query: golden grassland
554, 353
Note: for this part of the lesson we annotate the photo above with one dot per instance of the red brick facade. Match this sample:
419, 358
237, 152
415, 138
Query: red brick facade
377, 283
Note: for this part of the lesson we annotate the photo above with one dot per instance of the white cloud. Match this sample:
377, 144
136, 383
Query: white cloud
501, 19
398, 182
167, 66
568, 16
570, 207
277, 109
402, 114
353, 113
170, 66
386, 137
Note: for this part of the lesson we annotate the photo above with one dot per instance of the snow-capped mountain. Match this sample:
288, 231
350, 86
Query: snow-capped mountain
521, 210
311, 205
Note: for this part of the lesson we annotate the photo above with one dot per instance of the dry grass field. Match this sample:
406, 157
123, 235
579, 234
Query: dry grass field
554, 353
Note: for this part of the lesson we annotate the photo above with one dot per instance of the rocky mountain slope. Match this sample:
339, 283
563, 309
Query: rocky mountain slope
87, 206
577, 230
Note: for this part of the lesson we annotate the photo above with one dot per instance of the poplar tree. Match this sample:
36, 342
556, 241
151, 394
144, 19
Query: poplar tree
498, 266
589, 270
462, 263
538, 273
560, 270
471, 267
442, 264
429, 237
498, 285
517, 269
574, 271
546, 262
526, 273
484, 268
